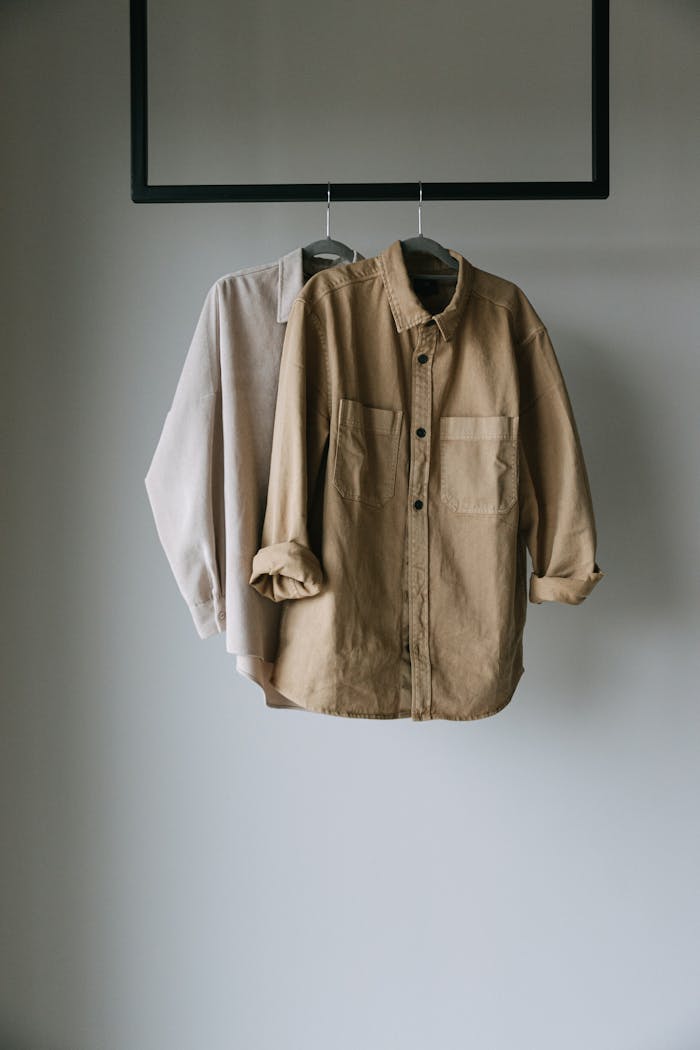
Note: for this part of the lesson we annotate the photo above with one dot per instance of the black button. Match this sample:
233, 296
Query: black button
422, 358
421, 432
418, 504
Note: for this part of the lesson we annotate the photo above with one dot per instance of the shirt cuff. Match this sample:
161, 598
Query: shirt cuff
209, 616
286, 570
571, 591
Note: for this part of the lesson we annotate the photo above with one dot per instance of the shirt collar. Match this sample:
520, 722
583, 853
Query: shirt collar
406, 307
291, 278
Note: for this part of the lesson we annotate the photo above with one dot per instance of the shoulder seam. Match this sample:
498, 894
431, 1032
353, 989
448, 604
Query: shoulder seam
343, 284
504, 306
540, 328
261, 267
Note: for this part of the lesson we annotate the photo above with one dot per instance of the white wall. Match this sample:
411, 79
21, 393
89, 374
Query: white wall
183, 868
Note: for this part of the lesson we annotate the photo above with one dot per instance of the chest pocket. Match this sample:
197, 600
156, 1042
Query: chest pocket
367, 449
479, 463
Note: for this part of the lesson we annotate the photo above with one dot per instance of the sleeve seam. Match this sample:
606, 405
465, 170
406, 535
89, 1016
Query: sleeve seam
208, 601
316, 409
215, 374
319, 329
552, 386
538, 331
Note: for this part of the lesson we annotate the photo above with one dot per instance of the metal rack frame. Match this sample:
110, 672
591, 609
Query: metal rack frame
597, 188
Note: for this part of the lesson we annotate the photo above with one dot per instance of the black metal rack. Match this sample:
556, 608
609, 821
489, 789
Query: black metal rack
597, 187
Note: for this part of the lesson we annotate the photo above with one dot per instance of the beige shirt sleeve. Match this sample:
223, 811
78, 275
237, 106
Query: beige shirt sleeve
286, 566
556, 510
185, 478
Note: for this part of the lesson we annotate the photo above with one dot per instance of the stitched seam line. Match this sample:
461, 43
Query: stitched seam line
208, 601
247, 270
342, 284
215, 377
319, 329
470, 437
557, 383
396, 309
456, 502
366, 426
504, 306
384, 495
316, 409
527, 339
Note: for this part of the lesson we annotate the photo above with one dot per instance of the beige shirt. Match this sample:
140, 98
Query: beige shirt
417, 454
207, 481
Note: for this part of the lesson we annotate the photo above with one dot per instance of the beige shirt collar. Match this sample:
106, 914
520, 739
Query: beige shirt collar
291, 279
406, 307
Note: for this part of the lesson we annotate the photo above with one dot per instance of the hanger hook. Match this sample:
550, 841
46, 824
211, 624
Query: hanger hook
328, 213
420, 209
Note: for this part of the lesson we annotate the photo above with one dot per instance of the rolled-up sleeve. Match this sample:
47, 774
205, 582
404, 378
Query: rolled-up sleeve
286, 565
556, 508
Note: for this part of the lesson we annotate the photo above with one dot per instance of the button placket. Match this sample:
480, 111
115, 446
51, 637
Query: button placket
421, 411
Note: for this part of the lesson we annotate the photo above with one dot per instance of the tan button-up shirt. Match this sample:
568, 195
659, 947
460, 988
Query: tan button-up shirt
207, 480
417, 454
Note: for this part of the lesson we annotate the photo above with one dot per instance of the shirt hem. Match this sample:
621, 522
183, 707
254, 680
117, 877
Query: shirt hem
258, 671
393, 716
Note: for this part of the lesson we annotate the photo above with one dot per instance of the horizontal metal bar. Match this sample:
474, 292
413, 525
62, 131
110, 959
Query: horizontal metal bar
372, 191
